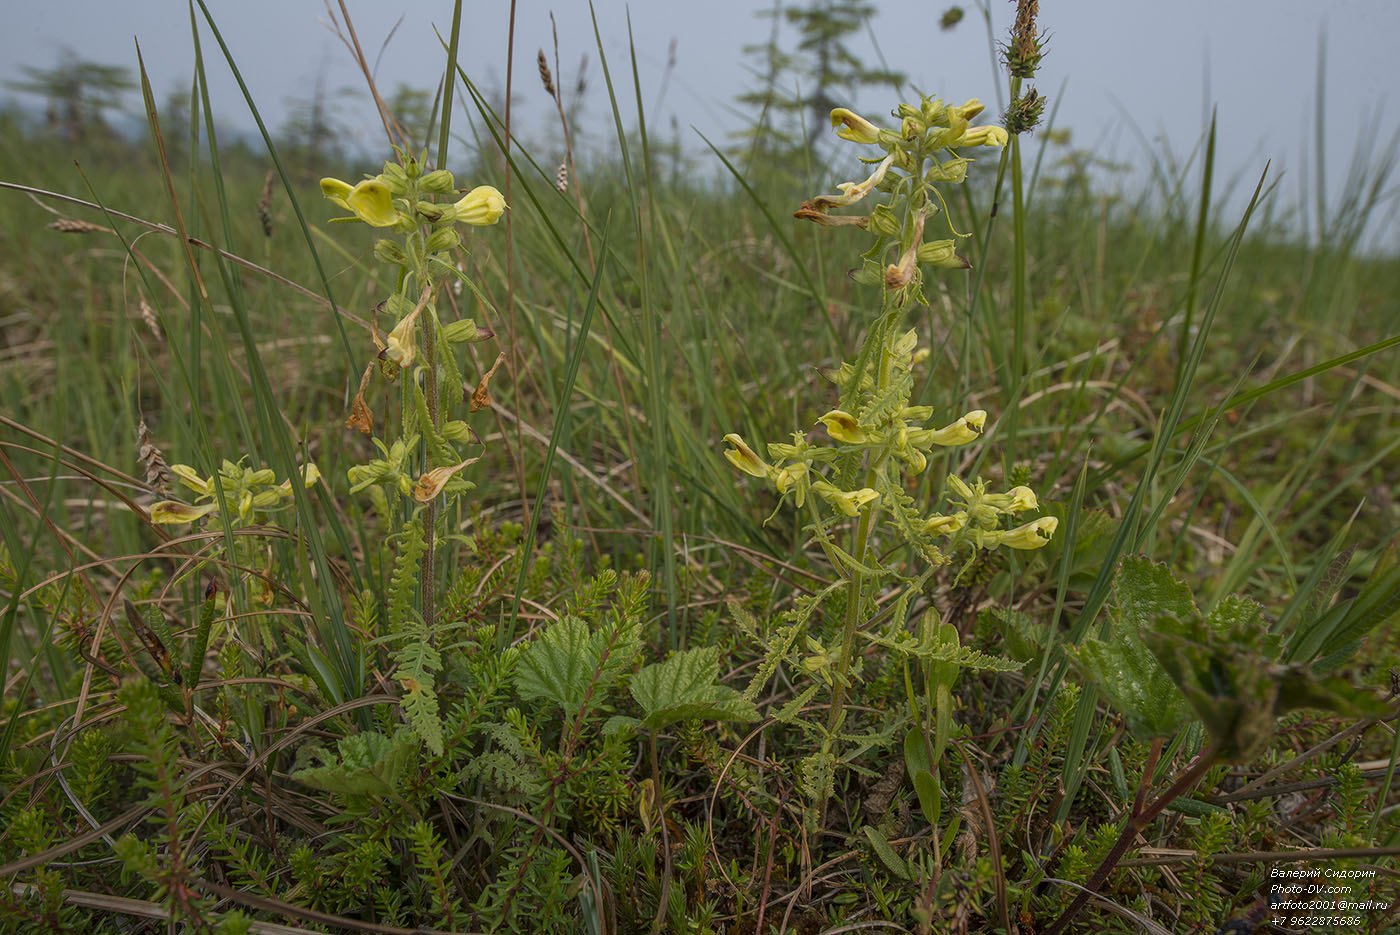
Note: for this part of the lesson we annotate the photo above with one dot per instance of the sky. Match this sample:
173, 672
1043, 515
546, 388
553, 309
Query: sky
1123, 75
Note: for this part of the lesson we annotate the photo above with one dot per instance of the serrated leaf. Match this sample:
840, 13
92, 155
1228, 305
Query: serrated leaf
1131, 676
1145, 591
1134, 682
620, 723
686, 686
567, 663
367, 763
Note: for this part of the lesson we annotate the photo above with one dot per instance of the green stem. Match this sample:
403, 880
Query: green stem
430, 518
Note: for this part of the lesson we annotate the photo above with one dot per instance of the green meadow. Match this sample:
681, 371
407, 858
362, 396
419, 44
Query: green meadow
600, 547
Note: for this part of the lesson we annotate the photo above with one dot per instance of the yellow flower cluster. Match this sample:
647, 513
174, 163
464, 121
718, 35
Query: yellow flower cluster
381, 201
249, 491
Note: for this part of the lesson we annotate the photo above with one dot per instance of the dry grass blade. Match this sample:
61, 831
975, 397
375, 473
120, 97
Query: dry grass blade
74, 226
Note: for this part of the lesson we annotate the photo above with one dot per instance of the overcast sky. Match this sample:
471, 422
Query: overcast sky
1112, 64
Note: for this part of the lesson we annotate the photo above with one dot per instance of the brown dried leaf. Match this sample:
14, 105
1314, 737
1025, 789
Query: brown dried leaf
481, 396
361, 418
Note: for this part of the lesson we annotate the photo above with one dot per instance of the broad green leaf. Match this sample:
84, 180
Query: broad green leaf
1225, 668
919, 761
1134, 683
568, 664
1120, 664
1145, 591
686, 686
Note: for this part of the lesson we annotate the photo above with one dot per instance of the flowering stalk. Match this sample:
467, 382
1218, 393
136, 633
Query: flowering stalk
422, 465
874, 436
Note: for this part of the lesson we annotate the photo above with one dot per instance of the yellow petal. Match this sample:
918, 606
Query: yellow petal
480, 207
854, 127
373, 203
1033, 535
171, 512
982, 136
190, 479
945, 525
337, 192
744, 458
843, 427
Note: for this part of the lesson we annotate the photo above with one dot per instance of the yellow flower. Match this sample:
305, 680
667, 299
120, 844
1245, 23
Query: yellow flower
370, 200
843, 427
965, 430
171, 512
1032, 535
310, 474
190, 479
744, 458
793, 478
982, 136
851, 192
854, 127
938, 525
480, 207
1022, 499
849, 502
400, 346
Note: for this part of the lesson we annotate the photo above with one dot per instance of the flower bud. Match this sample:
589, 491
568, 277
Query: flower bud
191, 479
950, 170
439, 182
942, 253
310, 475
1032, 535
939, 525
387, 251
430, 211
455, 430
442, 239
396, 178
965, 430
464, 331
793, 478
401, 345
882, 221
363, 475
1022, 499
982, 136
849, 502
172, 512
